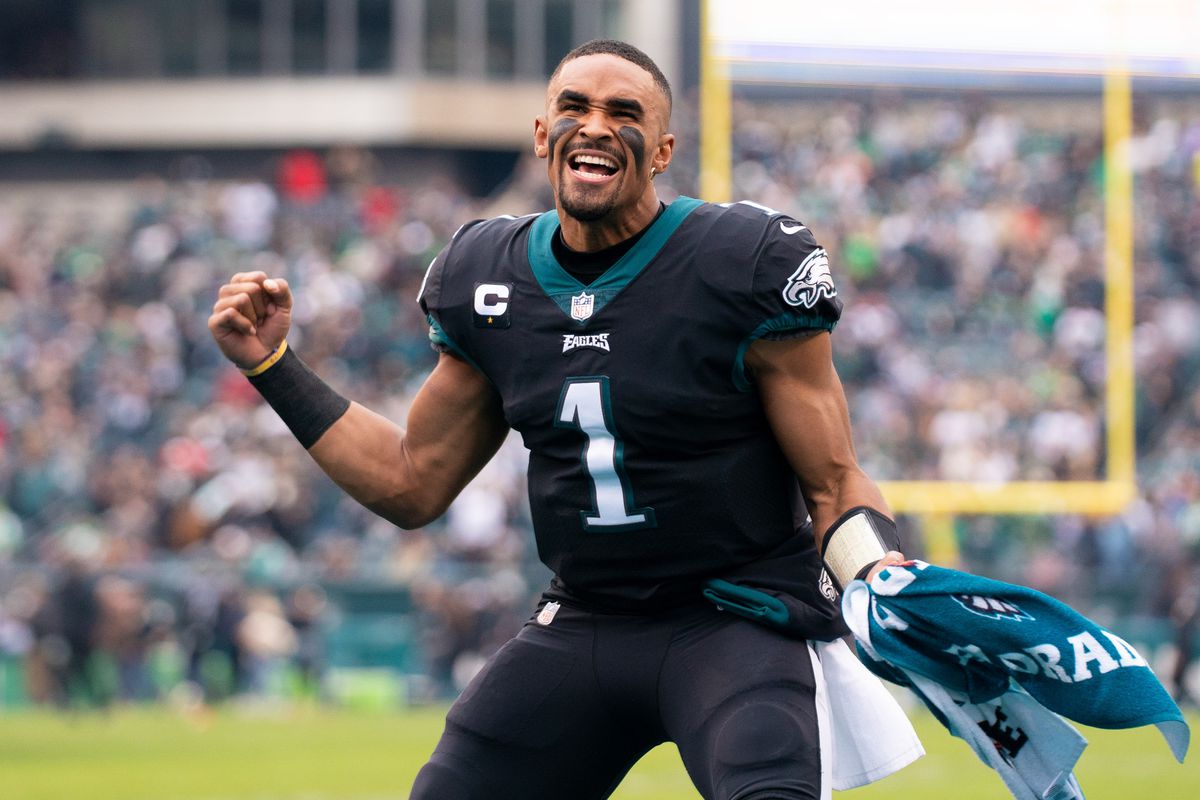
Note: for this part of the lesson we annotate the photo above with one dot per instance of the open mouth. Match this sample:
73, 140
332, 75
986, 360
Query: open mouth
592, 167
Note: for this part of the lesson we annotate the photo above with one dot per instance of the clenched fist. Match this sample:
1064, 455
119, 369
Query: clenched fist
251, 317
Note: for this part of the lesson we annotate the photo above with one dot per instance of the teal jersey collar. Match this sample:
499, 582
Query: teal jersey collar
561, 287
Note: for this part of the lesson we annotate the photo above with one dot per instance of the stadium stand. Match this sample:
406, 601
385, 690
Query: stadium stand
158, 525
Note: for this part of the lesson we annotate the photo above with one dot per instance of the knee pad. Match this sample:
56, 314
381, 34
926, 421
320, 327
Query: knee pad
766, 750
440, 782
759, 733
776, 794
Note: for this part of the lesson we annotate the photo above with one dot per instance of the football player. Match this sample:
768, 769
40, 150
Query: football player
669, 369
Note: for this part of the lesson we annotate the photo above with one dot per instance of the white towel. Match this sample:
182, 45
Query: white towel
868, 736
1041, 768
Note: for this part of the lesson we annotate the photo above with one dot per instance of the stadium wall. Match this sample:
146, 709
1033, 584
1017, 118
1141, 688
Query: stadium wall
269, 112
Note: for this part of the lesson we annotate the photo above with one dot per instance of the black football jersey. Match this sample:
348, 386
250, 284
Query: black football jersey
652, 466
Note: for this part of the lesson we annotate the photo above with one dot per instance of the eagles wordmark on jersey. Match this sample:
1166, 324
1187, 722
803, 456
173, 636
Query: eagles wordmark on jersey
652, 465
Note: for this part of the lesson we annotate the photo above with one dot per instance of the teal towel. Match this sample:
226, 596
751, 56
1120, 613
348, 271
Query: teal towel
984, 640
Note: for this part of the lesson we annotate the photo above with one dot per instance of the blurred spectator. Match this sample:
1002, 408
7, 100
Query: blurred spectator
65, 628
302, 177
969, 244
267, 642
248, 214
1185, 616
212, 617
122, 634
305, 610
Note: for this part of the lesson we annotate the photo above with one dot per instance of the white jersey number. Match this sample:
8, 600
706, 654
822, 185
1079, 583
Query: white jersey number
585, 406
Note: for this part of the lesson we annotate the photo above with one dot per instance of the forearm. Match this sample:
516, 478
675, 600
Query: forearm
408, 477
360, 450
812, 424
366, 455
852, 523
804, 402
454, 426
856, 533
850, 488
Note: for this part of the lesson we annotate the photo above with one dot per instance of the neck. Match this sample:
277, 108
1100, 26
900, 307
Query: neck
588, 237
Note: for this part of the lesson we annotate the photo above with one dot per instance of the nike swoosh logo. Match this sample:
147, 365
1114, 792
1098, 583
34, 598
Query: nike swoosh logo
790, 229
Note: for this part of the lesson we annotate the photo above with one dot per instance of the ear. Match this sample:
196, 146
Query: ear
541, 136
663, 154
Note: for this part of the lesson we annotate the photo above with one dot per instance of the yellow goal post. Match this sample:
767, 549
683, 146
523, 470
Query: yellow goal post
939, 501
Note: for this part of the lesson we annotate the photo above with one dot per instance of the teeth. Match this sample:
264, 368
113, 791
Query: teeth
600, 161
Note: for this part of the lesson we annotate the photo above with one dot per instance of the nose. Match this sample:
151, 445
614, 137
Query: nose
594, 125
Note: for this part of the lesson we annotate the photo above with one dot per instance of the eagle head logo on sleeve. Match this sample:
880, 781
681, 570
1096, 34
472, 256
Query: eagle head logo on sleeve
811, 281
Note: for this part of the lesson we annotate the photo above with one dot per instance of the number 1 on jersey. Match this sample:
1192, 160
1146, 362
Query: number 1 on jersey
585, 405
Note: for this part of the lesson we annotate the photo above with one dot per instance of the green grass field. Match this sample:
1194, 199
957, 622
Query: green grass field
313, 754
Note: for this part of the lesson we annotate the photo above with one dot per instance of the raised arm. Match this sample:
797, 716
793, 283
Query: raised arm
408, 476
806, 407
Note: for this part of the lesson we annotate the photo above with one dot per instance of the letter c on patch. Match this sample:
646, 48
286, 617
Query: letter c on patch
491, 299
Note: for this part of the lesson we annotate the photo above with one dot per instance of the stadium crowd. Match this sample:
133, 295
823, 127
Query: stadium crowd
157, 519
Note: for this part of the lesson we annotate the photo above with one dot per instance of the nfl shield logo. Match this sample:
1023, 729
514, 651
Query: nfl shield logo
546, 615
582, 305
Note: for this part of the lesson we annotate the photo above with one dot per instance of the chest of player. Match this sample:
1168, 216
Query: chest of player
653, 360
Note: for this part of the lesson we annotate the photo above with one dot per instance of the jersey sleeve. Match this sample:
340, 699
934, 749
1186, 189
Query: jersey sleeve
789, 291
435, 297
793, 290
430, 300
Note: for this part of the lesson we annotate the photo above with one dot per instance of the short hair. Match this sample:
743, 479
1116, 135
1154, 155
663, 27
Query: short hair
614, 47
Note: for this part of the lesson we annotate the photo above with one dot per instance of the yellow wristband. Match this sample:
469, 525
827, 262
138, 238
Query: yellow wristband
267, 362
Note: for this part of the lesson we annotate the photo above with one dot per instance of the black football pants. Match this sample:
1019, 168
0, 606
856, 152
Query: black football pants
563, 710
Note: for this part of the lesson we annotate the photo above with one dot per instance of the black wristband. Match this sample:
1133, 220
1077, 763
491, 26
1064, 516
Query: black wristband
305, 403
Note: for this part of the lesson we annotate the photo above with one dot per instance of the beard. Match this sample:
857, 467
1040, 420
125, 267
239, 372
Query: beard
587, 206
